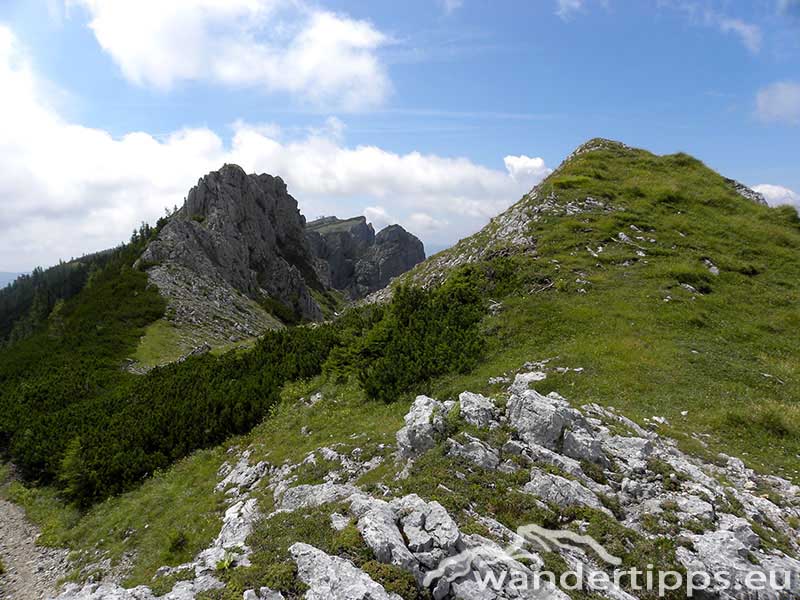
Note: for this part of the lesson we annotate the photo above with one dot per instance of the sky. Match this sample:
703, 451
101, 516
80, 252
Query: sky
435, 114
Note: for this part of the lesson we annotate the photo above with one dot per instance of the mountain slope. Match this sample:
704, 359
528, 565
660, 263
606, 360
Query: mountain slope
588, 181
627, 280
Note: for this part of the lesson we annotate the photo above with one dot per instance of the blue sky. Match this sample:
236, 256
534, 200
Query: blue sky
435, 114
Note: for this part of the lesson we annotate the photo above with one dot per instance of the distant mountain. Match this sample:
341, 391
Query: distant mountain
353, 259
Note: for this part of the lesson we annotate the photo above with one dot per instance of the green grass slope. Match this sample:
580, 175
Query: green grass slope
627, 292
621, 291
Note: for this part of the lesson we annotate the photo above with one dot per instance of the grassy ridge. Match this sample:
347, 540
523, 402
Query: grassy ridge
728, 353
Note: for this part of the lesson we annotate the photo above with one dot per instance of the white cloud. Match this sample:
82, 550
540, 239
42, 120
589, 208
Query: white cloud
450, 6
66, 189
526, 169
424, 223
777, 195
566, 8
278, 45
379, 217
749, 34
780, 102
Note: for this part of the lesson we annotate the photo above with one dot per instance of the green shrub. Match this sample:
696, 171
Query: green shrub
394, 580
287, 315
421, 335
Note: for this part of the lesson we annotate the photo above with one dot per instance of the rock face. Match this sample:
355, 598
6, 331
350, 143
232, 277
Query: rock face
239, 248
242, 232
350, 257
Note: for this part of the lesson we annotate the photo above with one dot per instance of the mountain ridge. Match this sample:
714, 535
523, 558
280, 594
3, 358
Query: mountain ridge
507, 232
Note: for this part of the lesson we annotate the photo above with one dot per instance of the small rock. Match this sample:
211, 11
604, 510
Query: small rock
424, 421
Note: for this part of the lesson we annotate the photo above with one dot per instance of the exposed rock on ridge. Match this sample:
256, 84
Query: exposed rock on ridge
245, 233
351, 258
239, 248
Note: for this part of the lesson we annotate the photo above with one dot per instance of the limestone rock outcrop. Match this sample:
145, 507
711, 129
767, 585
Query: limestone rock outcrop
238, 259
243, 232
352, 258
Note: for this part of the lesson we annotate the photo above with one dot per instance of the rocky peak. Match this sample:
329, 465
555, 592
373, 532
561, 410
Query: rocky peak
596, 144
351, 258
237, 241
239, 247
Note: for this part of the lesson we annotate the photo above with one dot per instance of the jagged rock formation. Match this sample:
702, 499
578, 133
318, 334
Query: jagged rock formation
239, 247
351, 258
245, 233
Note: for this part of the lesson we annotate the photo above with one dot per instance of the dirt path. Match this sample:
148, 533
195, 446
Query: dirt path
31, 572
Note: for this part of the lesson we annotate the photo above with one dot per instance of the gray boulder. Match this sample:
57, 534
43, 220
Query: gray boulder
377, 523
424, 422
539, 454
308, 496
333, 578
474, 451
582, 445
477, 410
542, 420
408, 532
560, 491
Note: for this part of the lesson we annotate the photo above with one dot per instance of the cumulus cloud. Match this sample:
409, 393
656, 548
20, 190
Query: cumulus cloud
526, 169
780, 102
777, 195
67, 189
278, 45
